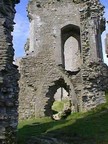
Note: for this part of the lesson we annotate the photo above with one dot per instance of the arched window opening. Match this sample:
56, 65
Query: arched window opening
71, 47
71, 54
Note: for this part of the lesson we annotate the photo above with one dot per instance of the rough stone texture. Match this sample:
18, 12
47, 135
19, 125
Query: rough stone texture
8, 75
106, 44
39, 87
43, 68
92, 25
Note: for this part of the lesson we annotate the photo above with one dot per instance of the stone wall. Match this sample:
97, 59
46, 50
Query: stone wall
46, 23
38, 75
106, 44
8, 75
92, 25
42, 69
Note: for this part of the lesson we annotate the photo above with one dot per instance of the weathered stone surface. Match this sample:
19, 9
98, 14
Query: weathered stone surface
106, 44
8, 75
91, 29
43, 68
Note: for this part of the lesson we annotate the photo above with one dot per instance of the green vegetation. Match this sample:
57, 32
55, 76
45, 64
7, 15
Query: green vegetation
59, 105
78, 128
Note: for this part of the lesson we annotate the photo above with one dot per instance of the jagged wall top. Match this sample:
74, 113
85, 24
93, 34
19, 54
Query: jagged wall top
53, 1
46, 7
92, 4
74, 1
43, 3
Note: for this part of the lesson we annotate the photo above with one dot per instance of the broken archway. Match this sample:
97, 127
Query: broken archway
51, 92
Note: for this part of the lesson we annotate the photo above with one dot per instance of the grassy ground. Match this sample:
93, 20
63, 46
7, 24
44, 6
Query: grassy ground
78, 128
59, 105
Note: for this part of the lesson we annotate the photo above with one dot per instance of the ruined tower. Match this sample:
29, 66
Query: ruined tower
63, 51
8, 75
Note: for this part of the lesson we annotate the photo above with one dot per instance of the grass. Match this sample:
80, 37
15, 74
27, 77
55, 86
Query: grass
59, 105
78, 128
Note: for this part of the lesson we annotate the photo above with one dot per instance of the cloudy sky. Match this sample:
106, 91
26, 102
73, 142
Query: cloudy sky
21, 29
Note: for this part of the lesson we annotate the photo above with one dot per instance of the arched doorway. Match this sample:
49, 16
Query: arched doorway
61, 98
53, 90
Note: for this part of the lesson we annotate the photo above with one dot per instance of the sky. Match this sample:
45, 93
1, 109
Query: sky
21, 28
105, 3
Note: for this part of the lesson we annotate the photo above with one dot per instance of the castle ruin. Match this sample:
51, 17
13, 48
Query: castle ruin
63, 51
